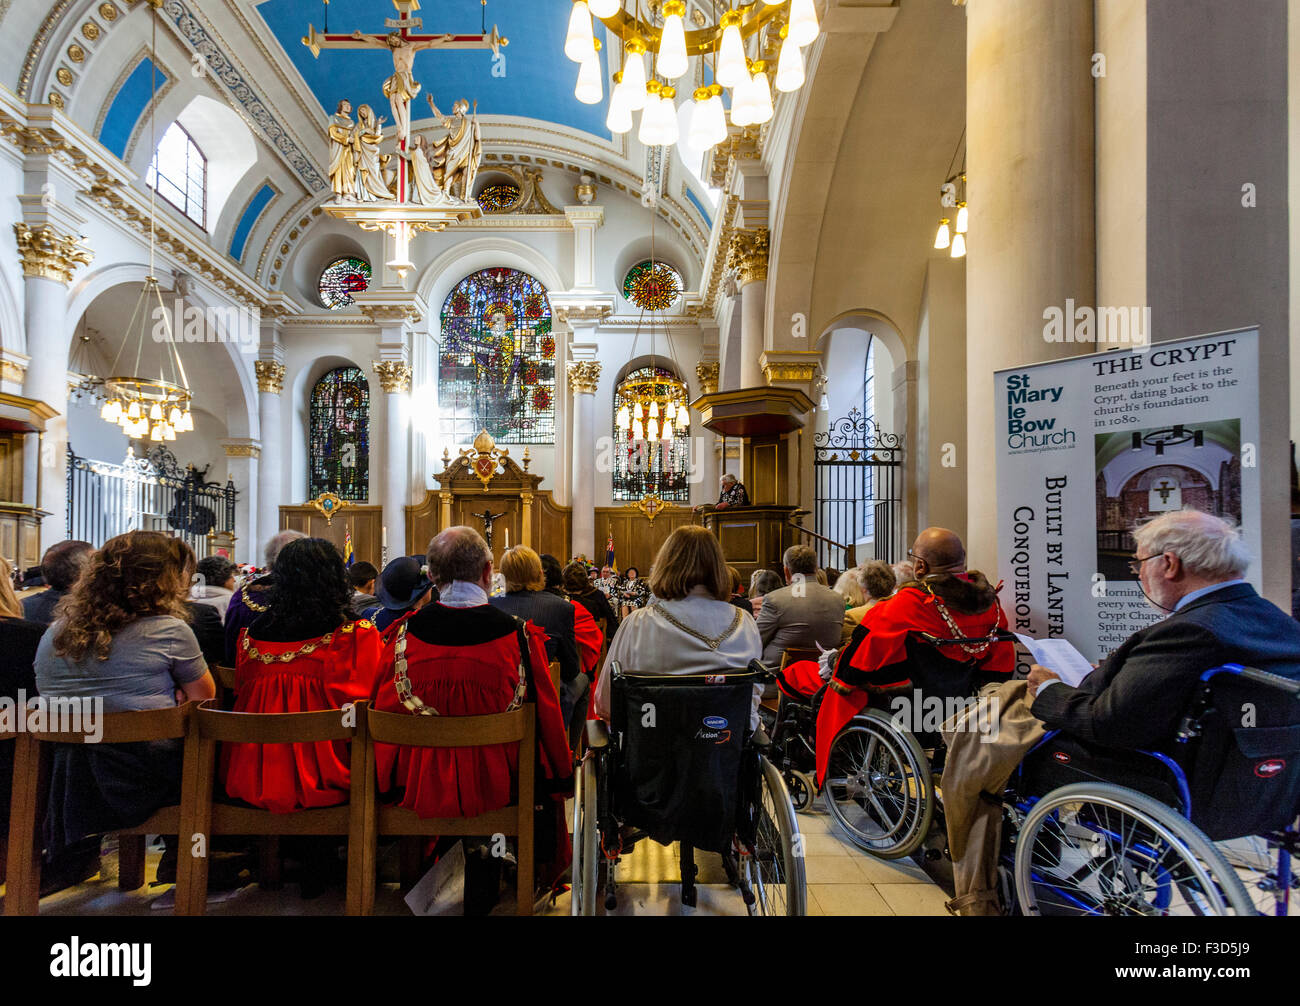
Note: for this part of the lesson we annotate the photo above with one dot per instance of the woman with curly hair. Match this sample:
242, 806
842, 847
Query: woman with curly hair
305, 653
121, 635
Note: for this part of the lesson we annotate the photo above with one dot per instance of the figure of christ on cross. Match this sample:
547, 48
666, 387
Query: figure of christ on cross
401, 87
488, 518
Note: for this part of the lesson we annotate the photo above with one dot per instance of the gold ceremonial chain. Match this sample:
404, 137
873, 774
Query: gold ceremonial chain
413, 702
713, 643
253, 653
974, 651
252, 605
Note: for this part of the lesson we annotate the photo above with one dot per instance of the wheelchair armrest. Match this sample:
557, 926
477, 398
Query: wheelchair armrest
597, 734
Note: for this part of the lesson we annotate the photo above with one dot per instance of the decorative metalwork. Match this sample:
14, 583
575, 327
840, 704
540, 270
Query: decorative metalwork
341, 279
496, 370
857, 467
339, 446
654, 467
484, 458
152, 493
327, 505
653, 286
651, 506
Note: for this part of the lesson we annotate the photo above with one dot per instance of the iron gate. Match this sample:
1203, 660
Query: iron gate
858, 473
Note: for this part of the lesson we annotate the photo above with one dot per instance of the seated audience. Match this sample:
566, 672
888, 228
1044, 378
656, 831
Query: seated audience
632, 592
19, 639
526, 597
849, 586
607, 583
205, 620
761, 583
738, 597
120, 635
804, 614
584, 592
60, 566
691, 628
304, 654
878, 581
214, 586
1189, 564
586, 633
403, 589
251, 598
463, 656
363, 576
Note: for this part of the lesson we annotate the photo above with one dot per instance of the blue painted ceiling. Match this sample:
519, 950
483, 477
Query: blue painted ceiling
538, 81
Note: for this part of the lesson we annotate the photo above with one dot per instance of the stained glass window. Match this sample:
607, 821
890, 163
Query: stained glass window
341, 279
650, 466
179, 173
339, 447
496, 369
653, 286
498, 197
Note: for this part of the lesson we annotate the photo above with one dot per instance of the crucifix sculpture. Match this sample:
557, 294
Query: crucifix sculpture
403, 41
488, 518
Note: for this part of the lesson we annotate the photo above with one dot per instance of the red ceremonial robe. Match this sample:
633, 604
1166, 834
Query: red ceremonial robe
586, 633
464, 662
877, 655
302, 676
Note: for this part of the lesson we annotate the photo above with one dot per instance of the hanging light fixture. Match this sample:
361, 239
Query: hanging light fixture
943, 238
958, 246
589, 89
962, 215
659, 28
619, 119
147, 406
952, 194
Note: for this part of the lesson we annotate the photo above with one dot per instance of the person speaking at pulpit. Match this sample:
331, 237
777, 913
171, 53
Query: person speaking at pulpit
731, 493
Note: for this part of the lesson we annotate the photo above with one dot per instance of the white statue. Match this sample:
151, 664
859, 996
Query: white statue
370, 175
343, 164
456, 156
424, 186
401, 87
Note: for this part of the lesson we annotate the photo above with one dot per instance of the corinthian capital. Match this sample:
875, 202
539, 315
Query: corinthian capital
270, 376
747, 254
394, 375
708, 377
584, 377
50, 253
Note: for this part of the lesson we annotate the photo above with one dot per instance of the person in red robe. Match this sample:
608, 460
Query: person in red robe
304, 654
944, 601
461, 656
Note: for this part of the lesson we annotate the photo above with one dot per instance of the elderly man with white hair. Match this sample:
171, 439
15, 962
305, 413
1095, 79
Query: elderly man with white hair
1191, 565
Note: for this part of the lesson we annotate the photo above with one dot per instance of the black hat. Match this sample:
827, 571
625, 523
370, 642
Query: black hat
402, 583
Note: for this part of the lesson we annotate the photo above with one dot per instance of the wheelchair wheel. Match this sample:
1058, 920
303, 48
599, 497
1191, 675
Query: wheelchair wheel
582, 894
1264, 868
774, 868
803, 791
1101, 849
878, 786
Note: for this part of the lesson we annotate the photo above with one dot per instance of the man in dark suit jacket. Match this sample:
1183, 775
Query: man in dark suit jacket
804, 614
1189, 564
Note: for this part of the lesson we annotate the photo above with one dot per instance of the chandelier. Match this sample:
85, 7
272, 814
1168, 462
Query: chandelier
654, 408
952, 195
158, 408
657, 28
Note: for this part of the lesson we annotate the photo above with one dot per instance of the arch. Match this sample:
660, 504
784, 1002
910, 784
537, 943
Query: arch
880, 325
467, 257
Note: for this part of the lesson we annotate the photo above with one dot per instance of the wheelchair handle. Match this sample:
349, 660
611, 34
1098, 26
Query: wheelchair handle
1289, 685
1001, 636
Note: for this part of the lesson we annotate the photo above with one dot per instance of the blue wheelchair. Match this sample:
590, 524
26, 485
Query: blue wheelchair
678, 763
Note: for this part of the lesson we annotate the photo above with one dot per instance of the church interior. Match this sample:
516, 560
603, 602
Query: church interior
550, 270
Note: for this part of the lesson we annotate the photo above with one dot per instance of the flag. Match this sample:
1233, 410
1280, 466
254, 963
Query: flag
609, 551
348, 557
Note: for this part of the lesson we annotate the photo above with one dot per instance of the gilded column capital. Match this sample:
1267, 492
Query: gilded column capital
707, 373
270, 376
49, 253
584, 377
747, 254
242, 450
394, 375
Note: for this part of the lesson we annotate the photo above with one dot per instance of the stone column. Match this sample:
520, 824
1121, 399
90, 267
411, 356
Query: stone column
395, 376
270, 488
705, 443
748, 256
51, 251
1030, 189
584, 378
241, 465
585, 220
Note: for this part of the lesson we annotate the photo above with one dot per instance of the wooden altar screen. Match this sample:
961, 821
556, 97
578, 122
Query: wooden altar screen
331, 518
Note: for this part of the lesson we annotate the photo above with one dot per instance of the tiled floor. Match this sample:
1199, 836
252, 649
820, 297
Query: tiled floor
842, 880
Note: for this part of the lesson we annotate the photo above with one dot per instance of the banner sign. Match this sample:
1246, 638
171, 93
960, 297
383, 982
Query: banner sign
1090, 447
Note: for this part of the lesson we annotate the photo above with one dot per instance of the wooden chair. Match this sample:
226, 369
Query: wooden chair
30, 792
201, 817
456, 732
555, 675
225, 681
6, 736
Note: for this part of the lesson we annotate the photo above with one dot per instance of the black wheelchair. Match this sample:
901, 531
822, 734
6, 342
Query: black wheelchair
678, 763
792, 726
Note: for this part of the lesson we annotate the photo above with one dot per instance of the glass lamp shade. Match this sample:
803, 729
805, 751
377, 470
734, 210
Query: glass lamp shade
155, 412
156, 433
168, 432
186, 423
634, 80
619, 119
958, 246
669, 130
652, 430
112, 411
963, 217
789, 67
624, 419
604, 8
174, 417
654, 410
709, 126
942, 237
731, 57
670, 411
638, 413
671, 62
579, 42
668, 429
133, 412
638, 431
589, 89
742, 102
761, 96
683, 418
648, 131
803, 22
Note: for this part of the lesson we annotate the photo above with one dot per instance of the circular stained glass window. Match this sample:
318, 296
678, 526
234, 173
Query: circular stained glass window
653, 286
498, 197
341, 279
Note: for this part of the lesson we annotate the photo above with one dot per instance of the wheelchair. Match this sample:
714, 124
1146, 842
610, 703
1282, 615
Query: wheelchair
793, 730
677, 763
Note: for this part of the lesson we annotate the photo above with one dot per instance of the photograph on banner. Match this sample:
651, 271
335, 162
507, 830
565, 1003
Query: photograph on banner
1092, 446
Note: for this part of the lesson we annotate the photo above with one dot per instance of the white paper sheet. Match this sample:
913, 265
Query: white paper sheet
1059, 656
